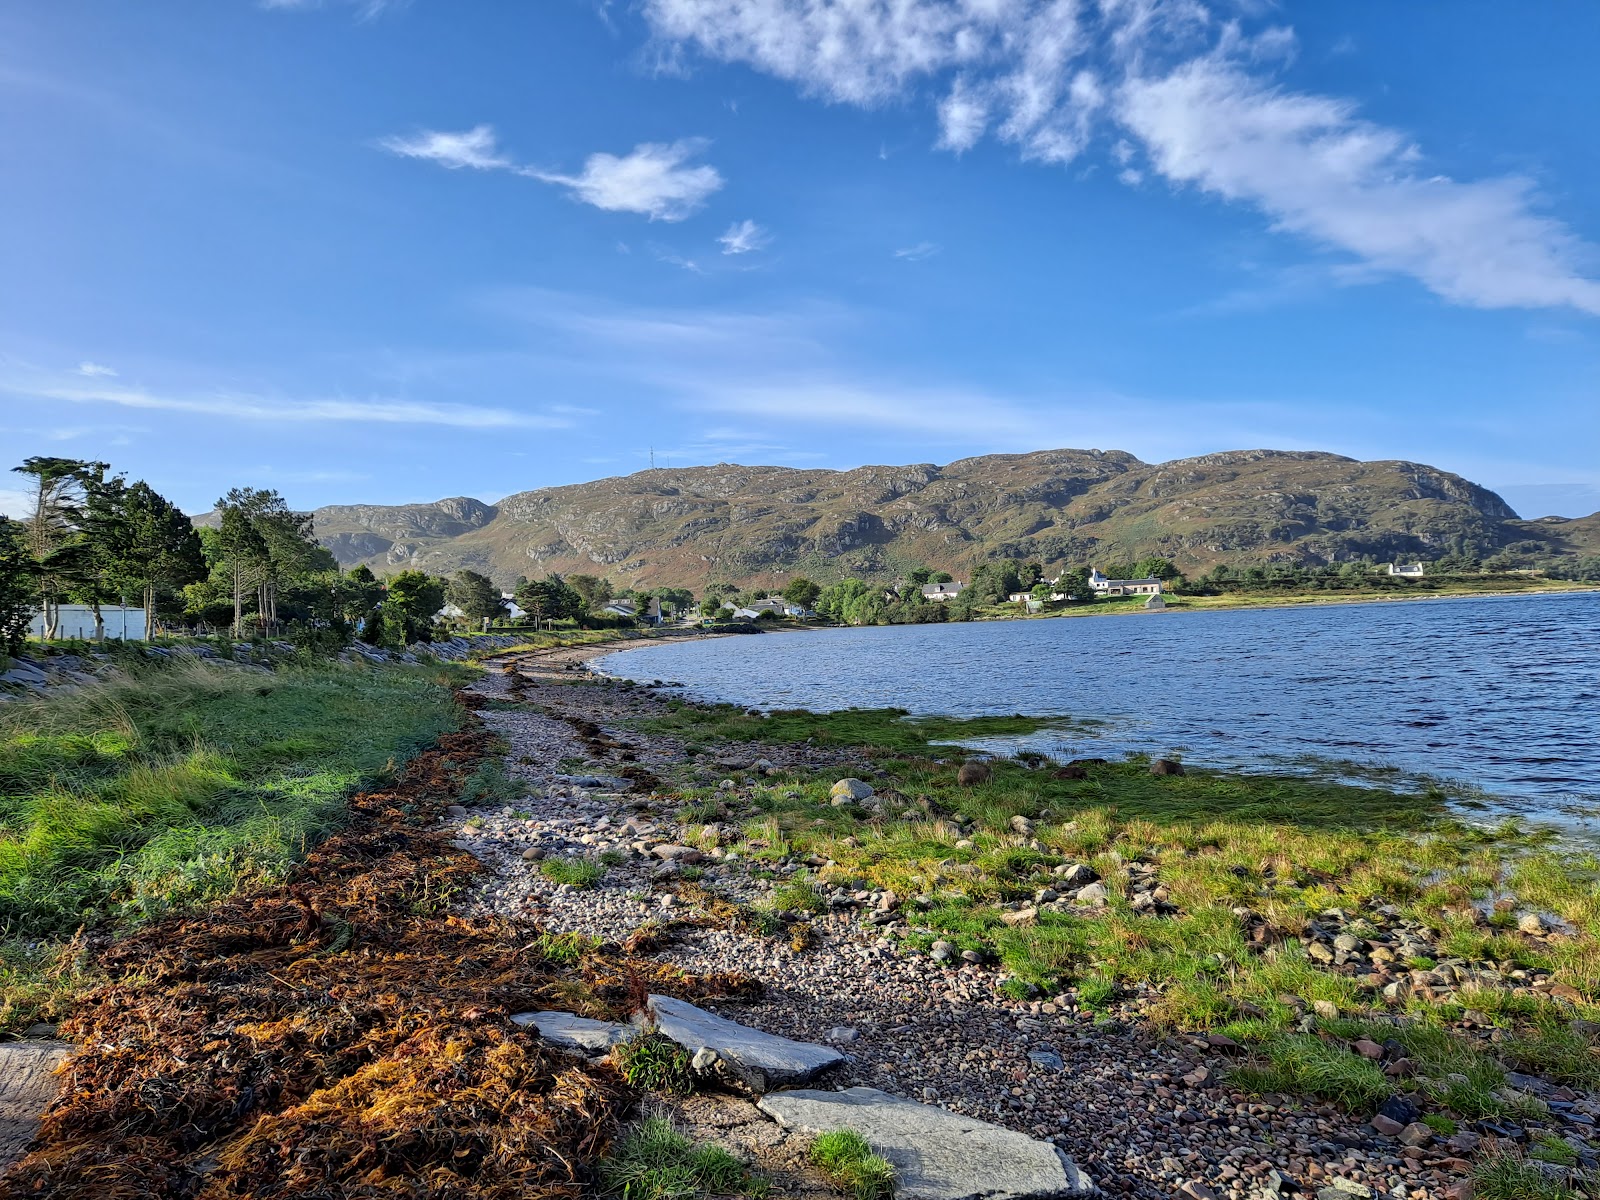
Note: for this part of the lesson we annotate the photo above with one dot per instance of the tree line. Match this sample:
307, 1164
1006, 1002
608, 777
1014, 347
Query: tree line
89, 537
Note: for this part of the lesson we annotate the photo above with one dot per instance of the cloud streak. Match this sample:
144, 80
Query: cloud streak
473, 148
1174, 92
658, 180
278, 410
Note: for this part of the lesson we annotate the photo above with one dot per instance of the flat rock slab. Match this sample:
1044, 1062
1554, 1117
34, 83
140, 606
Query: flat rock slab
578, 1034
27, 1086
760, 1061
937, 1155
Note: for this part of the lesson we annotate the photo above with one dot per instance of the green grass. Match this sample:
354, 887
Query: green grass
1503, 1175
657, 1162
653, 1063
844, 1157
177, 783
797, 895
884, 728
1286, 848
1305, 1065
575, 872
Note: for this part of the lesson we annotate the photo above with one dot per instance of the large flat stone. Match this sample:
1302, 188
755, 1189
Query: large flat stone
579, 1034
28, 1084
937, 1155
760, 1061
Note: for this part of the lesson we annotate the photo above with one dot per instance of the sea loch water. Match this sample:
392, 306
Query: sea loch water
1501, 692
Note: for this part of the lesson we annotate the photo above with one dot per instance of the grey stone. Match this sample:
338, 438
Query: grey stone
937, 1155
849, 790
28, 1084
1048, 1059
678, 854
577, 1034
1078, 875
841, 1035
761, 1061
1094, 893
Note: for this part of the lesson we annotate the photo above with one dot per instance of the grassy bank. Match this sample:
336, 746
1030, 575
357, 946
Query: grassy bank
174, 784
1295, 916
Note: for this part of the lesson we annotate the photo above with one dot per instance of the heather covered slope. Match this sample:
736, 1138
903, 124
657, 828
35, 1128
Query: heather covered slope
736, 523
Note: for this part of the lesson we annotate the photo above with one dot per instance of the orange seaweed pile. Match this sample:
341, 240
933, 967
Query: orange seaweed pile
343, 1036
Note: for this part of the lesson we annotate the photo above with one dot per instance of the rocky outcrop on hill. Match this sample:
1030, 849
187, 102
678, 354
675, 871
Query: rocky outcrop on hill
743, 524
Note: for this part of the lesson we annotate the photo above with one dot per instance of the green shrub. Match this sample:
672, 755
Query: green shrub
849, 1164
653, 1063
575, 872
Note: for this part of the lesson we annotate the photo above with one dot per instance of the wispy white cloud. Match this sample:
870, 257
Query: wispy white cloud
284, 410
673, 259
93, 369
657, 180
1317, 169
744, 237
1187, 90
367, 10
918, 252
475, 147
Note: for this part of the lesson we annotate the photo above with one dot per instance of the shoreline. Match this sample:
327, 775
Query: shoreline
1202, 604
974, 1023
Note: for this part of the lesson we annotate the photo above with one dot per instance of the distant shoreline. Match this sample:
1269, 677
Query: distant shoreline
1179, 603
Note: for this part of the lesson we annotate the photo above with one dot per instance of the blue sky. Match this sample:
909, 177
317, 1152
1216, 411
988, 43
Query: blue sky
386, 252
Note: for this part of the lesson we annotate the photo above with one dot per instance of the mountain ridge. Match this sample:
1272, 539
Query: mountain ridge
756, 524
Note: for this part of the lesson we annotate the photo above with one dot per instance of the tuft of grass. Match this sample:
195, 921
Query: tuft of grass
797, 895
1505, 1175
657, 1162
1306, 1065
575, 872
490, 784
653, 1063
849, 1164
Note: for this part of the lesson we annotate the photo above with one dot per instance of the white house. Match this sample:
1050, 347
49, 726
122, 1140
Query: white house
1408, 570
1149, 586
942, 591
77, 621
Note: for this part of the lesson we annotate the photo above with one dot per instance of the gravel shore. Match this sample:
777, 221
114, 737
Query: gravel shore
1144, 1113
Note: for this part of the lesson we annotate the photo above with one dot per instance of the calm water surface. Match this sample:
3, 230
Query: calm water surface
1501, 693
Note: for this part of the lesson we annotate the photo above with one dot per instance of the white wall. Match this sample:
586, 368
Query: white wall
77, 620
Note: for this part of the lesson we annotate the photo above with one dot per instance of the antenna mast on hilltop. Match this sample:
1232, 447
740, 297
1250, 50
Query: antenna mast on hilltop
652, 458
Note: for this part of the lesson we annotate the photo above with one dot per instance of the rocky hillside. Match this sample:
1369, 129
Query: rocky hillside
690, 525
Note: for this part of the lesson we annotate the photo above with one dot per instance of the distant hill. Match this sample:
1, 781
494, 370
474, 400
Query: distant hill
747, 525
